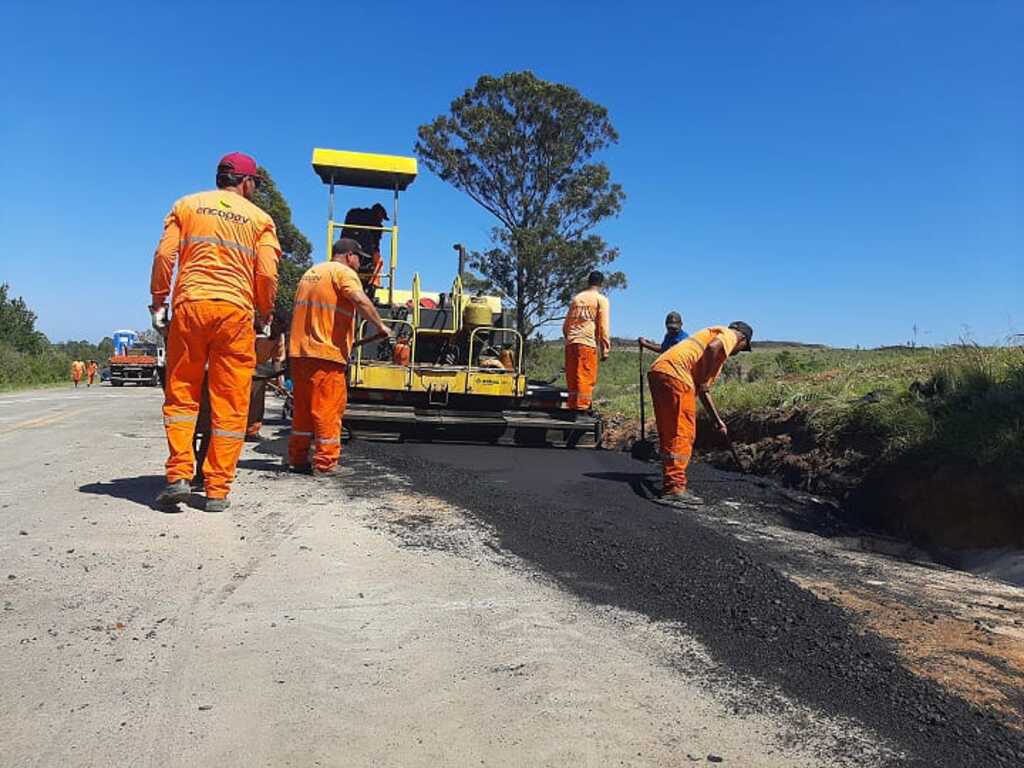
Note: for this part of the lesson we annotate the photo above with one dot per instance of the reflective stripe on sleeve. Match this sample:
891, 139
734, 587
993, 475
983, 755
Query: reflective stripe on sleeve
219, 241
327, 440
227, 433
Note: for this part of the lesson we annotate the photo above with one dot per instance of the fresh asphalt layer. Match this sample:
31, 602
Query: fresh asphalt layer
584, 518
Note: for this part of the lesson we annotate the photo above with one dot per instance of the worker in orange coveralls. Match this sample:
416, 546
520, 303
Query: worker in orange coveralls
90, 370
587, 334
681, 374
77, 369
226, 250
327, 301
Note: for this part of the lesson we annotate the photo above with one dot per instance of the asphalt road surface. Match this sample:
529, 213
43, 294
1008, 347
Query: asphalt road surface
459, 605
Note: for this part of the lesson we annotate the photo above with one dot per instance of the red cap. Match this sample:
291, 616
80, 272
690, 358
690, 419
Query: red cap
238, 163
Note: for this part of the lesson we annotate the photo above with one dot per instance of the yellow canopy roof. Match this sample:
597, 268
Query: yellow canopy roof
362, 169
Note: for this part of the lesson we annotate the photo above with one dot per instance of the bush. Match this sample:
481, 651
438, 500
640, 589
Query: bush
20, 369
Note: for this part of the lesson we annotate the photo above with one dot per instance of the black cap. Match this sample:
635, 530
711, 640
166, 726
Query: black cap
745, 329
595, 278
348, 245
380, 210
673, 320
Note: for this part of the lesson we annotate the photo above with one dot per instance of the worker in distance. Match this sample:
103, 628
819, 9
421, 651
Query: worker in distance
587, 336
225, 250
678, 377
328, 301
674, 334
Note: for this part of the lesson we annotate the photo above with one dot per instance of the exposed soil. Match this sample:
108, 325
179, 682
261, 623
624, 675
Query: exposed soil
947, 505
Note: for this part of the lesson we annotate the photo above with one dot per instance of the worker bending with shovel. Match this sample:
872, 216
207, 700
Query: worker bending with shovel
587, 334
226, 251
677, 378
327, 301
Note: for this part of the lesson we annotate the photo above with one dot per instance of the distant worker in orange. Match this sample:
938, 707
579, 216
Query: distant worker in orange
77, 369
226, 251
90, 369
324, 321
587, 335
677, 378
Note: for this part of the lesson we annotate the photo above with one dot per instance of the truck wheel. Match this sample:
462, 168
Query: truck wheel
116, 382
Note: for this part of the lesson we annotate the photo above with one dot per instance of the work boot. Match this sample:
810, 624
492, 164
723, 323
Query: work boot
682, 499
331, 472
300, 469
217, 505
174, 493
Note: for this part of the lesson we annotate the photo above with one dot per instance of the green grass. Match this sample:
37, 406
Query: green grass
963, 402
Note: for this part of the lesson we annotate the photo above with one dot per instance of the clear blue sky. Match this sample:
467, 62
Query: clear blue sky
832, 172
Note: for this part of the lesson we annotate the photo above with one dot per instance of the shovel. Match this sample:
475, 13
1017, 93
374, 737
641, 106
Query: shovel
643, 449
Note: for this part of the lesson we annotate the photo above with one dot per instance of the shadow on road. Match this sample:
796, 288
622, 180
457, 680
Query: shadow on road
263, 465
140, 490
643, 484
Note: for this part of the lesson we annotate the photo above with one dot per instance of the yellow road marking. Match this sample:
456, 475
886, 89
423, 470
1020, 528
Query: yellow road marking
40, 421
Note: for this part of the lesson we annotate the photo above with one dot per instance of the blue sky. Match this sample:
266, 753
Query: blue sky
830, 172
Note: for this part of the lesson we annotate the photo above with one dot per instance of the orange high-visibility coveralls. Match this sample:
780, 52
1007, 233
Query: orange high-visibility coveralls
90, 370
586, 330
226, 249
77, 369
322, 333
674, 393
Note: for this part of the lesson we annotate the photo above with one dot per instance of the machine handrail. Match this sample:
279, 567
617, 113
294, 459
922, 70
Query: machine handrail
412, 348
517, 372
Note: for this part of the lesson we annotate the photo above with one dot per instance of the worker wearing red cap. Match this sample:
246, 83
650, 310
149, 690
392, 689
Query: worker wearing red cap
226, 251
327, 302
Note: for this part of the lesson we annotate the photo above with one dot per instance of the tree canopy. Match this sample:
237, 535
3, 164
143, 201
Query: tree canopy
296, 248
522, 148
18, 324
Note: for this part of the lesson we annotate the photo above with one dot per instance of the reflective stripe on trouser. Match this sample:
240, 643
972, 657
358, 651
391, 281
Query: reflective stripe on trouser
675, 409
320, 393
580, 375
220, 336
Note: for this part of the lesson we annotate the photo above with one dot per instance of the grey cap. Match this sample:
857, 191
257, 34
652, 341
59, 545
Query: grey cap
673, 320
348, 245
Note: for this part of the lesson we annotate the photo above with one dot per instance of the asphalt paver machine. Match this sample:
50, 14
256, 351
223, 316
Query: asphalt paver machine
454, 369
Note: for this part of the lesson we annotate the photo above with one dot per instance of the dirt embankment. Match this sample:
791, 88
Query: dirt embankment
950, 504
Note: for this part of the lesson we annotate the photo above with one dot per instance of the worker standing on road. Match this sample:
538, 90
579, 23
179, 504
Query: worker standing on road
90, 369
323, 328
680, 375
674, 333
77, 369
587, 335
226, 250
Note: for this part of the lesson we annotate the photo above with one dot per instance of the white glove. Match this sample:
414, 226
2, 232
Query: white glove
158, 316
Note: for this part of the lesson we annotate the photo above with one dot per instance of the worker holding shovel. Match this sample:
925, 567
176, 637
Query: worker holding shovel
322, 337
677, 378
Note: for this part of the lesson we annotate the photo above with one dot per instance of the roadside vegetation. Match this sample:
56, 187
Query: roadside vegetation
825, 418
28, 358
